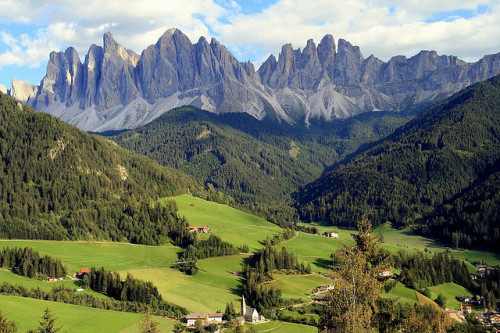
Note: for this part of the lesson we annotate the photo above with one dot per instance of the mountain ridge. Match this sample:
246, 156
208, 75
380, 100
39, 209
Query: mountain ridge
115, 88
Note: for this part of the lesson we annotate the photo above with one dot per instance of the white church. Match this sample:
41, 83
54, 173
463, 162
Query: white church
250, 314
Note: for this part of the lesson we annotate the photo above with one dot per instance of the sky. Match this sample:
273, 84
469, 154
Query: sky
251, 30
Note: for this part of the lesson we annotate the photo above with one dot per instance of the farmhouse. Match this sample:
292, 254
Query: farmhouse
463, 298
82, 273
321, 298
207, 318
199, 228
250, 314
331, 234
384, 273
495, 318
323, 288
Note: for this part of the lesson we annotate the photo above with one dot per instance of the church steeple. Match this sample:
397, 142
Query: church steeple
243, 306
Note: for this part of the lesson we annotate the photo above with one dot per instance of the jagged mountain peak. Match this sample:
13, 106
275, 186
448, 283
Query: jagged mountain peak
115, 88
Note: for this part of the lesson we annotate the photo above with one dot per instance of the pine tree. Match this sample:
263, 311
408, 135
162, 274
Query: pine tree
356, 285
178, 328
47, 324
7, 326
148, 324
198, 325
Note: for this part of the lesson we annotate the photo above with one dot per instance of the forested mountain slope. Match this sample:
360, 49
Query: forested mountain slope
446, 156
258, 163
57, 182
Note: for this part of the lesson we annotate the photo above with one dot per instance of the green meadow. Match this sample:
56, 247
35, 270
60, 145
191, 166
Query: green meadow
402, 293
207, 291
26, 312
232, 225
297, 286
316, 249
284, 327
111, 256
449, 290
10, 277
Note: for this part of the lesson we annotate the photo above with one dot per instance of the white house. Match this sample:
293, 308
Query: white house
207, 318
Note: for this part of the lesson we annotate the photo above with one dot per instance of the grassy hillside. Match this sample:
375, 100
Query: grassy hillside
111, 256
207, 291
232, 225
449, 290
57, 182
449, 149
297, 286
27, 312
283, 327
402, 293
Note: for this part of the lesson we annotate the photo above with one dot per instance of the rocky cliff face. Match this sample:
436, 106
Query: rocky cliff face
115, 88
21, 90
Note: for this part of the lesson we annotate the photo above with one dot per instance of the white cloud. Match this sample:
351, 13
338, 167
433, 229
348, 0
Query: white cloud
377, 26
379, 29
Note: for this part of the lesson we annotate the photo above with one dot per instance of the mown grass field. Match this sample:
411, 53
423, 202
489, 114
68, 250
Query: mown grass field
27, 312
298, 286
402, 293
111, 256
232, 225
284, 327
10, 277
316, 249
449, 290
203, 292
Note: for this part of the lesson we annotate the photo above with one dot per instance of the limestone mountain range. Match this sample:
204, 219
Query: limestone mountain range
115, 88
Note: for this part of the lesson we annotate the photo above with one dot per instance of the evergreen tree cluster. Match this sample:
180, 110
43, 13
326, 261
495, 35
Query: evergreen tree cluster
469, 219
260, 297
489, 288
59, 183
268, 259
420, 271
214, 246
431, 172
130, 290
283, 236
259, 270
28, 262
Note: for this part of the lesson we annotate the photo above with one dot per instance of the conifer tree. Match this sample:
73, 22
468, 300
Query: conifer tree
148, 324
178, 328
7, 326
351, 302
47, 324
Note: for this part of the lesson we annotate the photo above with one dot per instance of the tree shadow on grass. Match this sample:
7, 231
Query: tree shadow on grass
323, 263
238, 291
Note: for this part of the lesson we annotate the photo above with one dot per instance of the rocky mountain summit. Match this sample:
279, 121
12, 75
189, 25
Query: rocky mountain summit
115, 88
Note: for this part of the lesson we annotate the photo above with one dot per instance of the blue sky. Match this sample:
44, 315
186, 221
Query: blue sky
252, 30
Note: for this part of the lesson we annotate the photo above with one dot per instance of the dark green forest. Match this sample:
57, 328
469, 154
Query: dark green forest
257, 163
437, 173
29, 263
57, 182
